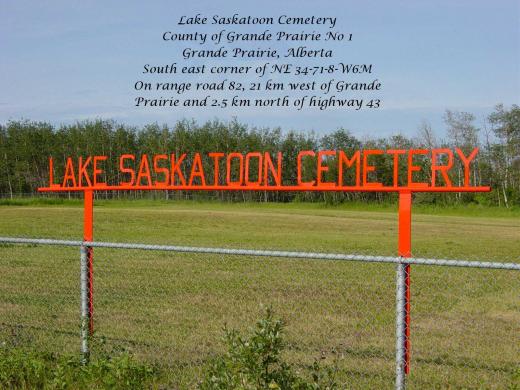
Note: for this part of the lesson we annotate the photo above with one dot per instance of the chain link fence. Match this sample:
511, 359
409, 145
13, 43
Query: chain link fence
167, 305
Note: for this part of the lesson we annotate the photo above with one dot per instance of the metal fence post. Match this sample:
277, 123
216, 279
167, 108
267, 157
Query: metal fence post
84, 304
400, 328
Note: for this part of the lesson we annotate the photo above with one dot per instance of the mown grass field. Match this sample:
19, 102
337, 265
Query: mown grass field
170, 308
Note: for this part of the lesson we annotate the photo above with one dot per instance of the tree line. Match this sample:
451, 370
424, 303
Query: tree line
25, 147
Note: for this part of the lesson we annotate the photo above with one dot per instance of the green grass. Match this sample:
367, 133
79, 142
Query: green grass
465, 210
169, 308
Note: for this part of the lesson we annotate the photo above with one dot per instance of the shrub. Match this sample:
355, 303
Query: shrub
255, 363
21, 369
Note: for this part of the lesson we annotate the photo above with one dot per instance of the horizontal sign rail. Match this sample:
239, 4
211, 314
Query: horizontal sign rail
267, 188
269, 253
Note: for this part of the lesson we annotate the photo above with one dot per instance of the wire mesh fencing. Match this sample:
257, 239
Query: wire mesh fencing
39, 297
465, 328
167, 305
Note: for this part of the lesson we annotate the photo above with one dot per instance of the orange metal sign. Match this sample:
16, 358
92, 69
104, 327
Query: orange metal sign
260, 171
256, 171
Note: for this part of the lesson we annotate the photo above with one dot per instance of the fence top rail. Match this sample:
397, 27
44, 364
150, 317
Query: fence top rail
268, 253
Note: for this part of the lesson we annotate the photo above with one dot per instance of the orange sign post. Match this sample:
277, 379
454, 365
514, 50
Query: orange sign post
88, 235
260, 171
405, 250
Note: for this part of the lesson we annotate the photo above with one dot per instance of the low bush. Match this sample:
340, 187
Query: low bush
21, 369
255, 363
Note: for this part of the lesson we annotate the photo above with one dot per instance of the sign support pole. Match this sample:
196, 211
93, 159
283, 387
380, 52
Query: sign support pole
400, 314
405, 250
88, 235
84, 306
